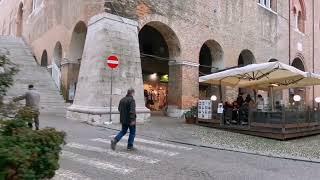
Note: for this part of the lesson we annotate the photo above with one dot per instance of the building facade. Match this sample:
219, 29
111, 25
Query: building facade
177, 39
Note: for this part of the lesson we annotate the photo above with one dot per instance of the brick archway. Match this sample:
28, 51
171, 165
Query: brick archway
159, 45
246, 57
168, 35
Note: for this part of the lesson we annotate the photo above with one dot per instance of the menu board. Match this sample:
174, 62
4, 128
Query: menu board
205, 109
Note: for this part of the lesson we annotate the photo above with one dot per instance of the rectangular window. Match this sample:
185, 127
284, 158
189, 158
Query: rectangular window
269, 4
266, 3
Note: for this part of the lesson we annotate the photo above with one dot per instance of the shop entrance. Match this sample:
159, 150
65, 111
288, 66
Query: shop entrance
155, 68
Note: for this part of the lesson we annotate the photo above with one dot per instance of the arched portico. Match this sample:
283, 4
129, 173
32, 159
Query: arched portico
159, 45
75, 53
210, 60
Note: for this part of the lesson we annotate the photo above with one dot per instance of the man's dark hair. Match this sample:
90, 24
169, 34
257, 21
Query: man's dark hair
130, 91
30, 86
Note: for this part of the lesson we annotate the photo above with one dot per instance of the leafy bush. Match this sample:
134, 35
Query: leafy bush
192, 113
7, 71
25, 153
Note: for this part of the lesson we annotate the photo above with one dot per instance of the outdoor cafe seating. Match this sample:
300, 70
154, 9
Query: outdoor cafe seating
274, 120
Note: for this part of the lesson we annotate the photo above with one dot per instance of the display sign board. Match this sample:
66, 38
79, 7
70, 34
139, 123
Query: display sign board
220, 108
205, 109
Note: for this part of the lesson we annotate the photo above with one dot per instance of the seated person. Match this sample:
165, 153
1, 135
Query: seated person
235, 110
244, 114
260, 103
227, 112
278, 106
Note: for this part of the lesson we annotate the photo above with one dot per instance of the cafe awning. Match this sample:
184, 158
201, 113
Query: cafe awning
263, 76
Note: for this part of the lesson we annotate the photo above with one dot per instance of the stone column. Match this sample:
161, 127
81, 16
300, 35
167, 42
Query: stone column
183, 87
108, 35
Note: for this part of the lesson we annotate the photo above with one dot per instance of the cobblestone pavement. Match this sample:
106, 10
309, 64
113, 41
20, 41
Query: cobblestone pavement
176, 130
88, 156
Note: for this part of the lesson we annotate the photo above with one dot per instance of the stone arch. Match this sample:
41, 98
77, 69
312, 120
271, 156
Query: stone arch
210, 60
211, 54
169, 36
44, 59
298, 63
158, 45
76, 48
20, 20
57, 54
78, 39
246, 57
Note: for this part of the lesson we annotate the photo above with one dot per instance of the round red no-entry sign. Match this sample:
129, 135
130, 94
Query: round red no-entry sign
113, 62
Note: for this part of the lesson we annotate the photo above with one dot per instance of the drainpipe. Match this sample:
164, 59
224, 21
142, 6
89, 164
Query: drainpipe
289, 42
313, 14
289, 32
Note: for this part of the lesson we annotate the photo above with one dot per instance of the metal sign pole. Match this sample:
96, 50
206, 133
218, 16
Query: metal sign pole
111, 96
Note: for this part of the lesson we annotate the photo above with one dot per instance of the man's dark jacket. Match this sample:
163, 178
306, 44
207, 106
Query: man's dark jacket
127, 109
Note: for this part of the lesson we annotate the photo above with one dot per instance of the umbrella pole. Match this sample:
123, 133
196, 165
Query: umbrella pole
220, 91
272, 98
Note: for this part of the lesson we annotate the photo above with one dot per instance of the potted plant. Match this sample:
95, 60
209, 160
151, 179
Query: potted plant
191, 115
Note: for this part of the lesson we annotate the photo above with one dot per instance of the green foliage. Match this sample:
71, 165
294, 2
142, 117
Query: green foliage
6, 77
193, 113
27, 154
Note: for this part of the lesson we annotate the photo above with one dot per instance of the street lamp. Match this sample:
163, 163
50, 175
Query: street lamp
214, 98
297, 98
317, 99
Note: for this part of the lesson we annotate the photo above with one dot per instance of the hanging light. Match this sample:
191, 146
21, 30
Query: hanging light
297, 98
153, 76
214, 98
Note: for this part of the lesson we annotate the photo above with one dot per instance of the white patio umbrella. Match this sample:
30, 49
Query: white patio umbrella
265, 76
254, 74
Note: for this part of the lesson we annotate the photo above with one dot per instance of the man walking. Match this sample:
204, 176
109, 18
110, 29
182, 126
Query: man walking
127, 109
32, 98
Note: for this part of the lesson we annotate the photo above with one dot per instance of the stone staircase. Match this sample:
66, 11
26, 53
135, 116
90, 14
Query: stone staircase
31, 73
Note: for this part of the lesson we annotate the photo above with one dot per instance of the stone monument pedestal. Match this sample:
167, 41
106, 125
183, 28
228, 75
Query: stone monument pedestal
108, 35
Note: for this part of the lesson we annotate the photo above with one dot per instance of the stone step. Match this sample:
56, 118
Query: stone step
30, 72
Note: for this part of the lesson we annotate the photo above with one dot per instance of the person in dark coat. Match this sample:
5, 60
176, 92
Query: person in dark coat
127, 109
240, 100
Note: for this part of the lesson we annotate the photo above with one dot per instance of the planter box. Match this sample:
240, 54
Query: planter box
190, 120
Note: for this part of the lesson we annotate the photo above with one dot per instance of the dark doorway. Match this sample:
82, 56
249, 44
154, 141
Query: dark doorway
44, 59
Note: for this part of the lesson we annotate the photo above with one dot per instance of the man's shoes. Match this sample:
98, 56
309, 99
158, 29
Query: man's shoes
131, 148
113, 144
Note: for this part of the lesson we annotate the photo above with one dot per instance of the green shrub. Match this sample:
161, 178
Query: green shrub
192, 113
27, 154
6, 77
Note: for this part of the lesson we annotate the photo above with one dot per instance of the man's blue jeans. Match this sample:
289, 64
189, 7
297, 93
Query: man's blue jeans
123, 132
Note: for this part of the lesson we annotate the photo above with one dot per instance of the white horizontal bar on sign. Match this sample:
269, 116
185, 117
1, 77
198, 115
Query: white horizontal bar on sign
158, 143
62, 174
96, 163
143, 148
112, 62
114, 153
